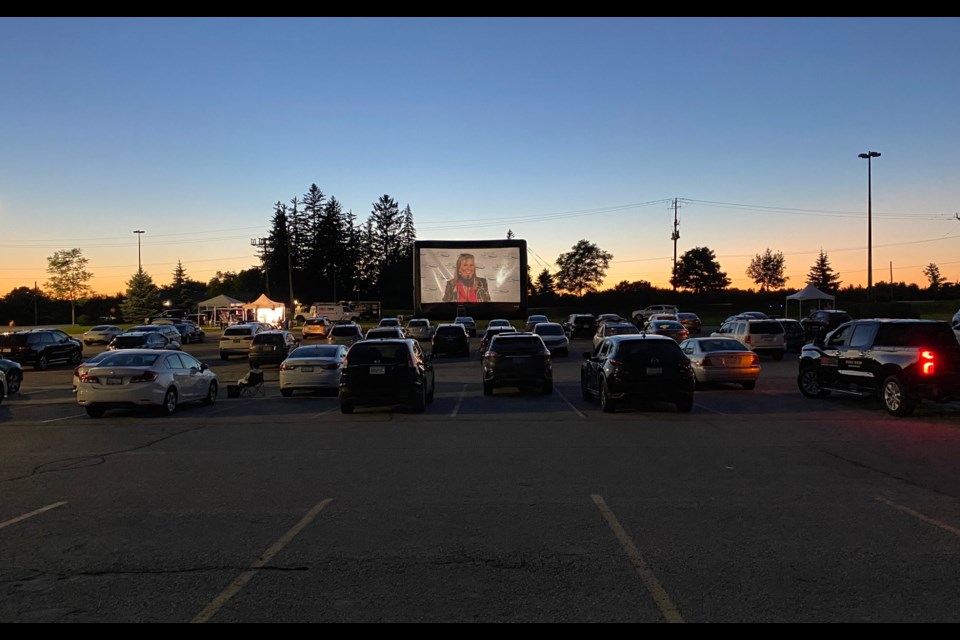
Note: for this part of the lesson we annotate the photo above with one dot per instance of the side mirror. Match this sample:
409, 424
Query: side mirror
204, 366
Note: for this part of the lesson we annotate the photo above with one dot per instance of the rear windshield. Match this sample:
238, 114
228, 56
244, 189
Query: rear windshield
344, 330
237, 331
537, 319
583, 320
548, 330
315, 351
382, 353
771, 327
636, 350
126, 342
667, 325
102, 327
722, 345
417, 323
523, 345
11, 339
464, 320
916, 335
314, 321
619, 329
449, 331
129, 360
268, 338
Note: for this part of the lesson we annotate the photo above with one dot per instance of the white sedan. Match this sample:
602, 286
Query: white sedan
101, 334
143, 377
312, 367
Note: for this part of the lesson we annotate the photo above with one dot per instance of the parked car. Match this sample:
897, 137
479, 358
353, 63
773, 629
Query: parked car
13, 370
488, 336
314, 367
271, 347
691, 321
317, 327
955, 323
500, 323
640, 316
902, 362
40, 347
450, 339
236, 340
607, 329
554, 337
533, 320
346, 334
386, 372
517, 359
765, 337
662, 316
3, 386
419, 328
86, 365
820, 322
142, 340
168, 330
580, 325
669, 328
132, 378
794, 335
626, 369
189, 331
100, 334
385, 332
469, 323
389, 322
722, 360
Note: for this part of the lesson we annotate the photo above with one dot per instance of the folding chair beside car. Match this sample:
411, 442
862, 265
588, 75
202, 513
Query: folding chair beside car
253, 386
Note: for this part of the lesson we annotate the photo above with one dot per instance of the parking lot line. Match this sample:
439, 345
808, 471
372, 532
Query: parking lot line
456, 409
919, 516
649, 580
570, 404
234, 587
32, 513
79, 415
323, 413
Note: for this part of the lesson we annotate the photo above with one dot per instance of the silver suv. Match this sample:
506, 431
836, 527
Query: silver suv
764, 337
419, 328
237, 338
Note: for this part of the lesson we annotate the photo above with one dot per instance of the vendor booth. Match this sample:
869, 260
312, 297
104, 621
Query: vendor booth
221, 310
807, 294
263, 309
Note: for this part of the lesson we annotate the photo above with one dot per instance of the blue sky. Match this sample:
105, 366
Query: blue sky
557, 128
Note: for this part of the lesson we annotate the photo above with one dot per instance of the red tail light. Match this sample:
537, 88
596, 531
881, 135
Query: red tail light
926, 362
287, 367
707, 362
146, 376
747, 340
615, 363
86, 377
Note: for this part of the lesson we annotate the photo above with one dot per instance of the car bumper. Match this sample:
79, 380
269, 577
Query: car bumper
727, 374
322, 379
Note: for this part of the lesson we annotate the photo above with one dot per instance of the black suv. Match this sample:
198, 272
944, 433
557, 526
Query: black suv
450, 339
822, 321
40, 347
901, 361
645, 367
580, 325
271, 347
517, 359
386, 372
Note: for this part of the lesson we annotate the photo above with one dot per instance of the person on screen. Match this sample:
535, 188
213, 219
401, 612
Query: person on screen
466, 286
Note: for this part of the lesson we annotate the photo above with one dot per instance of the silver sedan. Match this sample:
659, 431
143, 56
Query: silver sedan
717, 359
101, 334
312, 368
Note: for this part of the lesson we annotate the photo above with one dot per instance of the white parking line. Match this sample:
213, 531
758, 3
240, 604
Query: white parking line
323, 413
79, 415
919, 516
456, 409
234, 587
570, 404
32, 513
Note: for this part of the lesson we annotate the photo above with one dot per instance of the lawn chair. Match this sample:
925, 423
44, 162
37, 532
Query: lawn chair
251, 385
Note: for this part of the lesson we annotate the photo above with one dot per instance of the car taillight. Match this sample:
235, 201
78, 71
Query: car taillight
146, 376
287, 367
86, 377
706, 362
614, 362
926, 362
746, 339
754, 359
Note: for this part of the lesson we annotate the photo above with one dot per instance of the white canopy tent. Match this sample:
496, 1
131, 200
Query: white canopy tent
220, 309
266, 310
809, 292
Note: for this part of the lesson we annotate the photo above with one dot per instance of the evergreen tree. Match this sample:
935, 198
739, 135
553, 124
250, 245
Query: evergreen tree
583, 268
821, 275
545, 286
142, 298
699, 271
932, 271
183, 291
320, 246
767, 270
276, 254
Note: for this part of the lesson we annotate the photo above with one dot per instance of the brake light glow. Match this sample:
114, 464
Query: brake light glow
746, 339
146, 376
927, 363
287, 367
86, 377
707, 362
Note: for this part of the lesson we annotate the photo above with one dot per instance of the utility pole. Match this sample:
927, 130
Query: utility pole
675, 236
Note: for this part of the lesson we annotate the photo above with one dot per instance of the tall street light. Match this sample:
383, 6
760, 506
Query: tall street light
870, 155
139, 264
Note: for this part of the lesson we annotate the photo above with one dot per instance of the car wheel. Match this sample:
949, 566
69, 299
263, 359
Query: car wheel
810, 385
95, 412
607, 404
685, 403
585, 392
42, 363
211, 393
487, 389
13, 382
346, 406
750, 384
169, 402
286, 393
896, 399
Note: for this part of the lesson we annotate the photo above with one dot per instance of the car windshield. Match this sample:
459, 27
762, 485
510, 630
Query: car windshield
129, 340
314, 321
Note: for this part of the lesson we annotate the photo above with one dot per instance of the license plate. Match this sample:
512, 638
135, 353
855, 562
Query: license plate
654, 371
236, 341
307, 369
377, 371
115, 380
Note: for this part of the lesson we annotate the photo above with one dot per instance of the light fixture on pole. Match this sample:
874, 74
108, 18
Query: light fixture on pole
139, 232
869, 156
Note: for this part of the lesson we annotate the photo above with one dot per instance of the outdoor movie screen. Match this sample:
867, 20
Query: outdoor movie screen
471, 273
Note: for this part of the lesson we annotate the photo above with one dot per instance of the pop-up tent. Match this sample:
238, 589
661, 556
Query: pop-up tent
220, 309
266, 310
809, 292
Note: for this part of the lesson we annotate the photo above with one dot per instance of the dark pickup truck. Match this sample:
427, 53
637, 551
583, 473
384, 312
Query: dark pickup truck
900, 361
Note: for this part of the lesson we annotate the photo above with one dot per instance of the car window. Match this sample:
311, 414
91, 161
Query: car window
377, 353
637, 350
769, 327
548, 330
840, 336
862, 336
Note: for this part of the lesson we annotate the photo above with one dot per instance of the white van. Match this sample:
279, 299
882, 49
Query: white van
333, 311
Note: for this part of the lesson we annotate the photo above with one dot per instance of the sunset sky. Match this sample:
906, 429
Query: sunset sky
560, 129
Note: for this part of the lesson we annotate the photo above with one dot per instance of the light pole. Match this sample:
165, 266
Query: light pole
139, 232
870, 155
